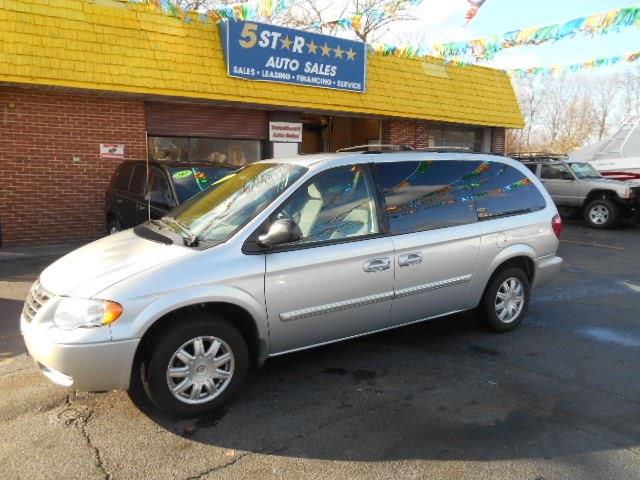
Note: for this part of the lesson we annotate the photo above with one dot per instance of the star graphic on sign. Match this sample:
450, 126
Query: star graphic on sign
325, 50
338, 51
286, 42
312, 47
351, 55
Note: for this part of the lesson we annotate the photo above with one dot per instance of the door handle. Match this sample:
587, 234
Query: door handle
119, 201
377, 265
409, 259
141, 208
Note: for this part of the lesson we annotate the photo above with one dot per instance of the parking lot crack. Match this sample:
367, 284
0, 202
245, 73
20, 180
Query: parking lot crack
97, 453
204, 473
79, 417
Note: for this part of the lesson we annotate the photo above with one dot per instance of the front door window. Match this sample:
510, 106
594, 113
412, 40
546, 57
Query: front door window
336, 204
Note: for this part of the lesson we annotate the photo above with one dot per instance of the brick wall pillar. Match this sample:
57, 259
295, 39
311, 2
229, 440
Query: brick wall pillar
53, 179
498, 135
399, 132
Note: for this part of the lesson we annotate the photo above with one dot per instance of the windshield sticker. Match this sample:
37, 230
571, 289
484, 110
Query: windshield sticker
182, 174
201, 179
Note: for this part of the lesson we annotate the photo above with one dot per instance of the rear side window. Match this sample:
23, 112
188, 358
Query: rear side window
555, 172
502, 190
427, 195
137, 180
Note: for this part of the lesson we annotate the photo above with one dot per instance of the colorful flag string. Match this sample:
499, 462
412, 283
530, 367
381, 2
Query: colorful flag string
557, 70
486, 48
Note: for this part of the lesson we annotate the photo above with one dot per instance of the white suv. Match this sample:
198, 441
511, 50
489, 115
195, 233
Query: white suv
284, 255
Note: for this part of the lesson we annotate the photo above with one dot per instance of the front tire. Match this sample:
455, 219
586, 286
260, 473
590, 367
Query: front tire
113, 226
601, 213
505, 301
196, 366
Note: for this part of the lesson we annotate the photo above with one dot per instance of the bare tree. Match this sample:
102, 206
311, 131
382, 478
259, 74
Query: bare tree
604, 93
368, 20
530, 96
630, 86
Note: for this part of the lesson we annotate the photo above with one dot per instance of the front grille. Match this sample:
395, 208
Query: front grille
37, 297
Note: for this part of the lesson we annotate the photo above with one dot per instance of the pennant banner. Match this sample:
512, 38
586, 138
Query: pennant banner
576, 67
474, 6
486, 48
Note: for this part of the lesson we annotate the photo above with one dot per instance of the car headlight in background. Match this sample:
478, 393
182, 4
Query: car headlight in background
77, 312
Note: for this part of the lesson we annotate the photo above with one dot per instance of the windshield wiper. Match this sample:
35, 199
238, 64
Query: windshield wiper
190, 240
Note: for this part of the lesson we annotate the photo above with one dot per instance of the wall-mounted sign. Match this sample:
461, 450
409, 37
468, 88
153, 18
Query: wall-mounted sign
285, 132
112, 150
257, 51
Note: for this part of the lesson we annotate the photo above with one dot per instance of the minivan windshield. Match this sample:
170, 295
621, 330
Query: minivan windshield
216, 214
584, 170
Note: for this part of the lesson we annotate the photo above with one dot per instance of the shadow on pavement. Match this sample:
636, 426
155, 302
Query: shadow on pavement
11, 343
442, 390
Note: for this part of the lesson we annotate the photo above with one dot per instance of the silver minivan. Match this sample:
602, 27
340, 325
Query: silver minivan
285, 255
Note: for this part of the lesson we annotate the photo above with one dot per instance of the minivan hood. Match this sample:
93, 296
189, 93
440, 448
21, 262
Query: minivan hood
90, 269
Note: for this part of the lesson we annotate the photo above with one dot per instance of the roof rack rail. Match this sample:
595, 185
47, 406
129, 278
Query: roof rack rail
379, 147
375, 147
533, 156
445, 149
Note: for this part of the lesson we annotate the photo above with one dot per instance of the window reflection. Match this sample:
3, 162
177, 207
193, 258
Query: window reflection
503, 190
236, 153
427, 195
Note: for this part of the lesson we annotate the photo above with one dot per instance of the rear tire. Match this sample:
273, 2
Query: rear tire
196, 366
601, 213
505, 301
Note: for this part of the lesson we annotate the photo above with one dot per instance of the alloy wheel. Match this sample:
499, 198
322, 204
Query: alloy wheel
200, 370
509, 300
599, 214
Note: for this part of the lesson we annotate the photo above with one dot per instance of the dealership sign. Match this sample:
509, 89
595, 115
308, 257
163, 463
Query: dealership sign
285, 132
257, 51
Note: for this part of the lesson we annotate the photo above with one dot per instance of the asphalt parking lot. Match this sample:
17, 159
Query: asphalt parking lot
559, 398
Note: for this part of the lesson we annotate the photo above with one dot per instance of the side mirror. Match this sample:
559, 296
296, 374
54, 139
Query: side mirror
280, 232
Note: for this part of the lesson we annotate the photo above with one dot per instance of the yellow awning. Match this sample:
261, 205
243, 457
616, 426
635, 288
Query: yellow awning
112, 45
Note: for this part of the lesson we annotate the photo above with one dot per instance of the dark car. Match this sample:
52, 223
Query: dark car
129, 196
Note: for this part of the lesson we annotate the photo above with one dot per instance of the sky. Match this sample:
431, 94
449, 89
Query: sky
442, 21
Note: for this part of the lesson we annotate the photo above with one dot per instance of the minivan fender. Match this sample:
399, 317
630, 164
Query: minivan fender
485, 271
512, 251
172, 301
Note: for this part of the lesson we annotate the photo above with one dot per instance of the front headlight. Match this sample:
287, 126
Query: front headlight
77, 312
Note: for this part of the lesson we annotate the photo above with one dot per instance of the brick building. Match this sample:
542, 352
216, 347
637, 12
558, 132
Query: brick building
75, 74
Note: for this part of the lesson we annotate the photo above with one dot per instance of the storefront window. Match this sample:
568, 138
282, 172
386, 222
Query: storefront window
461, 137
235, 153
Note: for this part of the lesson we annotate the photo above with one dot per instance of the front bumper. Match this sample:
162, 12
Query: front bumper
89, 366
546, 269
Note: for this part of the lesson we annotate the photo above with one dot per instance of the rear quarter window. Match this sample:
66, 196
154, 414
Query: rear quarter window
502, 190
